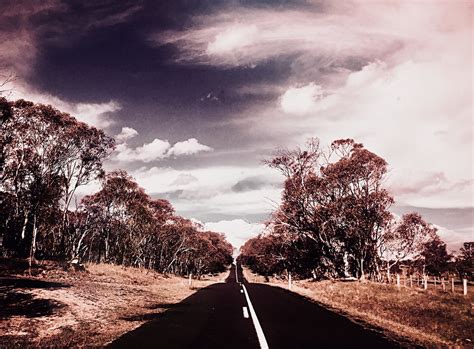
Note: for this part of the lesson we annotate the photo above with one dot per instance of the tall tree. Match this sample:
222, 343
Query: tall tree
42, 151
335, 198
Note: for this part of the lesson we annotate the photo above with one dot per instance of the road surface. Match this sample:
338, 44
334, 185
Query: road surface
238, 314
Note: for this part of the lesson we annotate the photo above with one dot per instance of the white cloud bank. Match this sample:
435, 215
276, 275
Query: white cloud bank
250, 36
209, 190
236, 231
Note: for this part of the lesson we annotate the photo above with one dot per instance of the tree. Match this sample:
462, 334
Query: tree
405, 238
434, 257
277, 253
120, 217
465, 261
82, 154
335, 198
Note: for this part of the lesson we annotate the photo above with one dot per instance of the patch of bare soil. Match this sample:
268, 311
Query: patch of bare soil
59, 307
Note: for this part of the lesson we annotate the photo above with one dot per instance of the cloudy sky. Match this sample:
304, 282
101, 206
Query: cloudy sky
197, 93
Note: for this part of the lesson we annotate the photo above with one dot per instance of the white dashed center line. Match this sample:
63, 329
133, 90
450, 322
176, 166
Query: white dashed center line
246, 312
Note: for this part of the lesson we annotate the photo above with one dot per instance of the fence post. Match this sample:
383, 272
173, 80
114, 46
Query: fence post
398, 280
190, 279
452, 285
425, 285
442, 284
435, 282
289, 281
464, 287
411, 282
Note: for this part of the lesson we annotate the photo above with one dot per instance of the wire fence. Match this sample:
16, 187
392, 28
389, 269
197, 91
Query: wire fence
425, 282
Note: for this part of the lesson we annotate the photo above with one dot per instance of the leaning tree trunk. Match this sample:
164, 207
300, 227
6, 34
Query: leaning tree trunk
25, 223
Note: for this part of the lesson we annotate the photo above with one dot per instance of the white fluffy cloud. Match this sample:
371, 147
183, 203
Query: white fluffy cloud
126, 134
188, 147
301, 100
155, 150
148, 152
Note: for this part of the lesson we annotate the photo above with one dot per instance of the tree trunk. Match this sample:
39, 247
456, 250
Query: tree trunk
346, 265
33, 244
362, 274
107, 247
25, 223
78, 246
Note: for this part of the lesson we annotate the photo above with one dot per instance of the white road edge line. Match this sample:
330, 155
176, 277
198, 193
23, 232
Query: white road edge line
236, 276
246, 312
261, 337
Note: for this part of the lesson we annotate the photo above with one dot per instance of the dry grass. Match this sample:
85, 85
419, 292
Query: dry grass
88, 308
430, 318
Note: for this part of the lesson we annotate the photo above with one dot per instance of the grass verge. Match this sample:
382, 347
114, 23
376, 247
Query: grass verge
59, 308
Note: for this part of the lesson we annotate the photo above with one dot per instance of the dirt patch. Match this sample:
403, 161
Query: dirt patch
63, 308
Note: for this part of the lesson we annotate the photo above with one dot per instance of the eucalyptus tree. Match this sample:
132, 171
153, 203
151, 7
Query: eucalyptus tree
46, 155
335, 198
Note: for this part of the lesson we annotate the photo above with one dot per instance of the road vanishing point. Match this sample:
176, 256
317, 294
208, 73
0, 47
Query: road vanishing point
239, 314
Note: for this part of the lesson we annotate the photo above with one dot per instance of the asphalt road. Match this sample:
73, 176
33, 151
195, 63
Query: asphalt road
220, 316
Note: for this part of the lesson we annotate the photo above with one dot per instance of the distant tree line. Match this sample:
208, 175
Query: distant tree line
45, 156
334, 221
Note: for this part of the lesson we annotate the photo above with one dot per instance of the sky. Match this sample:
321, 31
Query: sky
199, 93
